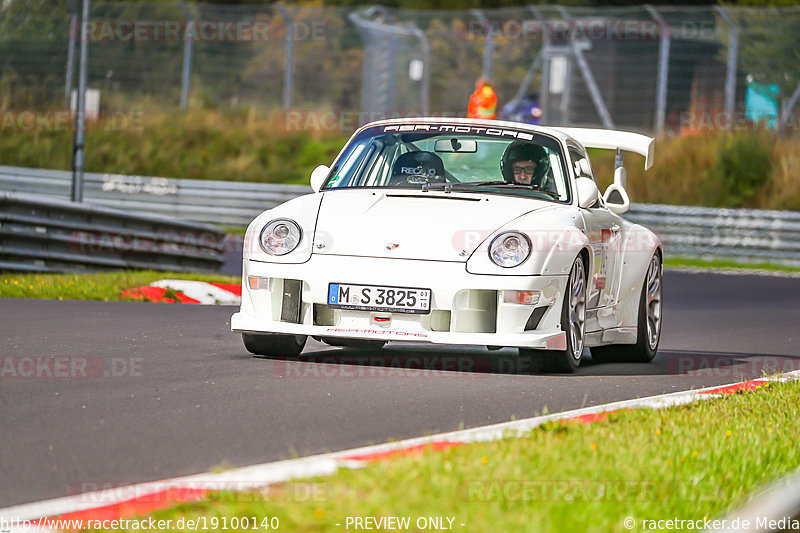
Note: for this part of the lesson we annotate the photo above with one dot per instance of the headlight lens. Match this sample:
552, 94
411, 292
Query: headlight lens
280, 236
510, 249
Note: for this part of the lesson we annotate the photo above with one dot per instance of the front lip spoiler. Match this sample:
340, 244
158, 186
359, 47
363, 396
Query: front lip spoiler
546, 339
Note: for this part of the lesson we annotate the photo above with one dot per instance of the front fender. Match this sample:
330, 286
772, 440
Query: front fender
303, 210
557, 237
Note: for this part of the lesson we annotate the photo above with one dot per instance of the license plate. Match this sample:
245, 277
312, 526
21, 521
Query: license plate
379, 298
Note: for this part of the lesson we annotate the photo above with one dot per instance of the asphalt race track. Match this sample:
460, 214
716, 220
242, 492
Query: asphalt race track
109, 394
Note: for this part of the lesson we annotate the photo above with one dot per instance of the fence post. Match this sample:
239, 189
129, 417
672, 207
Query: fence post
380, 38
588, 78
663, 67
488, 49
288, 73
787, 110
73, 29
730, 74
426, 77
534, 66
188, 45
79, 144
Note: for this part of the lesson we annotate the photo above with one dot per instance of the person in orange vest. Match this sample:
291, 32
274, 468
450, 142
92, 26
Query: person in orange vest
483, 102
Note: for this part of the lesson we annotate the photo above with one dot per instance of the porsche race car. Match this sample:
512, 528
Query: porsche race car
459, 231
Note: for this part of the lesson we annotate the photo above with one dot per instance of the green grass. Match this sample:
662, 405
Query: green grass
684, 462
240, 145
235, 230
726, 264
106, 286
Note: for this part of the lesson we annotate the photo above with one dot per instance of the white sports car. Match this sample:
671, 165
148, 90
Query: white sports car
459, 231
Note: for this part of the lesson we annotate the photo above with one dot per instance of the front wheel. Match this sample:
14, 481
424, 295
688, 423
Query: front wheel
573, 323
274, 345
648, 324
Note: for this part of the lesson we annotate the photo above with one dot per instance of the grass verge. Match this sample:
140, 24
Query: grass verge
242, 145
105, 286
726, 264
686, 462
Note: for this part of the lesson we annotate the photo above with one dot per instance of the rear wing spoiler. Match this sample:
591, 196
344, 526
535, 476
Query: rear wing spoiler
614, 140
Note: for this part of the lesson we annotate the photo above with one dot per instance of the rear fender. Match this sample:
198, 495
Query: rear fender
638, 248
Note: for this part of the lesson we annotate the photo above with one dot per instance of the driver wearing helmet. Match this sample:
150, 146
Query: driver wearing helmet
524, 163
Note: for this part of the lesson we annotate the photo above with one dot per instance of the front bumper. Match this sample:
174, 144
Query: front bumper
465, 308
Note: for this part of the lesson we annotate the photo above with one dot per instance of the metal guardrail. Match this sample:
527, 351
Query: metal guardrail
777, 509
40, 234
222, 203
749, 234
691, 231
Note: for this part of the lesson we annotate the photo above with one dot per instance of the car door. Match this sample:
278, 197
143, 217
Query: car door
603, 230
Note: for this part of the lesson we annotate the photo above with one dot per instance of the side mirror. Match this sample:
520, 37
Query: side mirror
582, 168
318, 176
587, 191
617, 199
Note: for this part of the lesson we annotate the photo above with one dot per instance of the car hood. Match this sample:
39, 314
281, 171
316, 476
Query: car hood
412, 224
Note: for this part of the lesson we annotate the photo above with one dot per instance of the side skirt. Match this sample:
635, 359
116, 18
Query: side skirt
626, 335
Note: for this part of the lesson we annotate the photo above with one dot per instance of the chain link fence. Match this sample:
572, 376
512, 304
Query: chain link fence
643, 68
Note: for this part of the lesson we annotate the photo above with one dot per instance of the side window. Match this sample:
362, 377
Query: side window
580, 163
583, 169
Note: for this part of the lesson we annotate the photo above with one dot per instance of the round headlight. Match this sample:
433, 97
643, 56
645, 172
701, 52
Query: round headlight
510, 249
280, 236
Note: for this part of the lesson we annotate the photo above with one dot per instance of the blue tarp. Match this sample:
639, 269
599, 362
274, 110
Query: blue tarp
761, 102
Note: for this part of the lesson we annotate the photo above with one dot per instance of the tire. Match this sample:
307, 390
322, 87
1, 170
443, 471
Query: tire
573, 323
353, 343
648, 324
274, 345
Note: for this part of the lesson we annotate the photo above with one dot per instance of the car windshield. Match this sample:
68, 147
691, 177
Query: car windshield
453, 157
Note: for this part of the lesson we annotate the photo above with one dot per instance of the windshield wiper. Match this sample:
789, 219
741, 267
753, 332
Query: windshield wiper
460, 185
499, 184
507, 185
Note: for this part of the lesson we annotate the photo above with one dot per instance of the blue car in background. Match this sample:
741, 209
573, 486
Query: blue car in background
525, 110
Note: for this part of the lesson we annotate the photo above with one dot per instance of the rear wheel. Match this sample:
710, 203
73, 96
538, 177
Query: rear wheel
274, 345
573, 322
648, 324
353, 343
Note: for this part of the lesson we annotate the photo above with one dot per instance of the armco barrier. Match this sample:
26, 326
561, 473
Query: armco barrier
41, 234
775, 509
222, 203
690, 231
737, 233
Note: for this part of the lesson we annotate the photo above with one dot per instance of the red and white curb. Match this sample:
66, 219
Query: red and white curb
188, 292
141, 499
